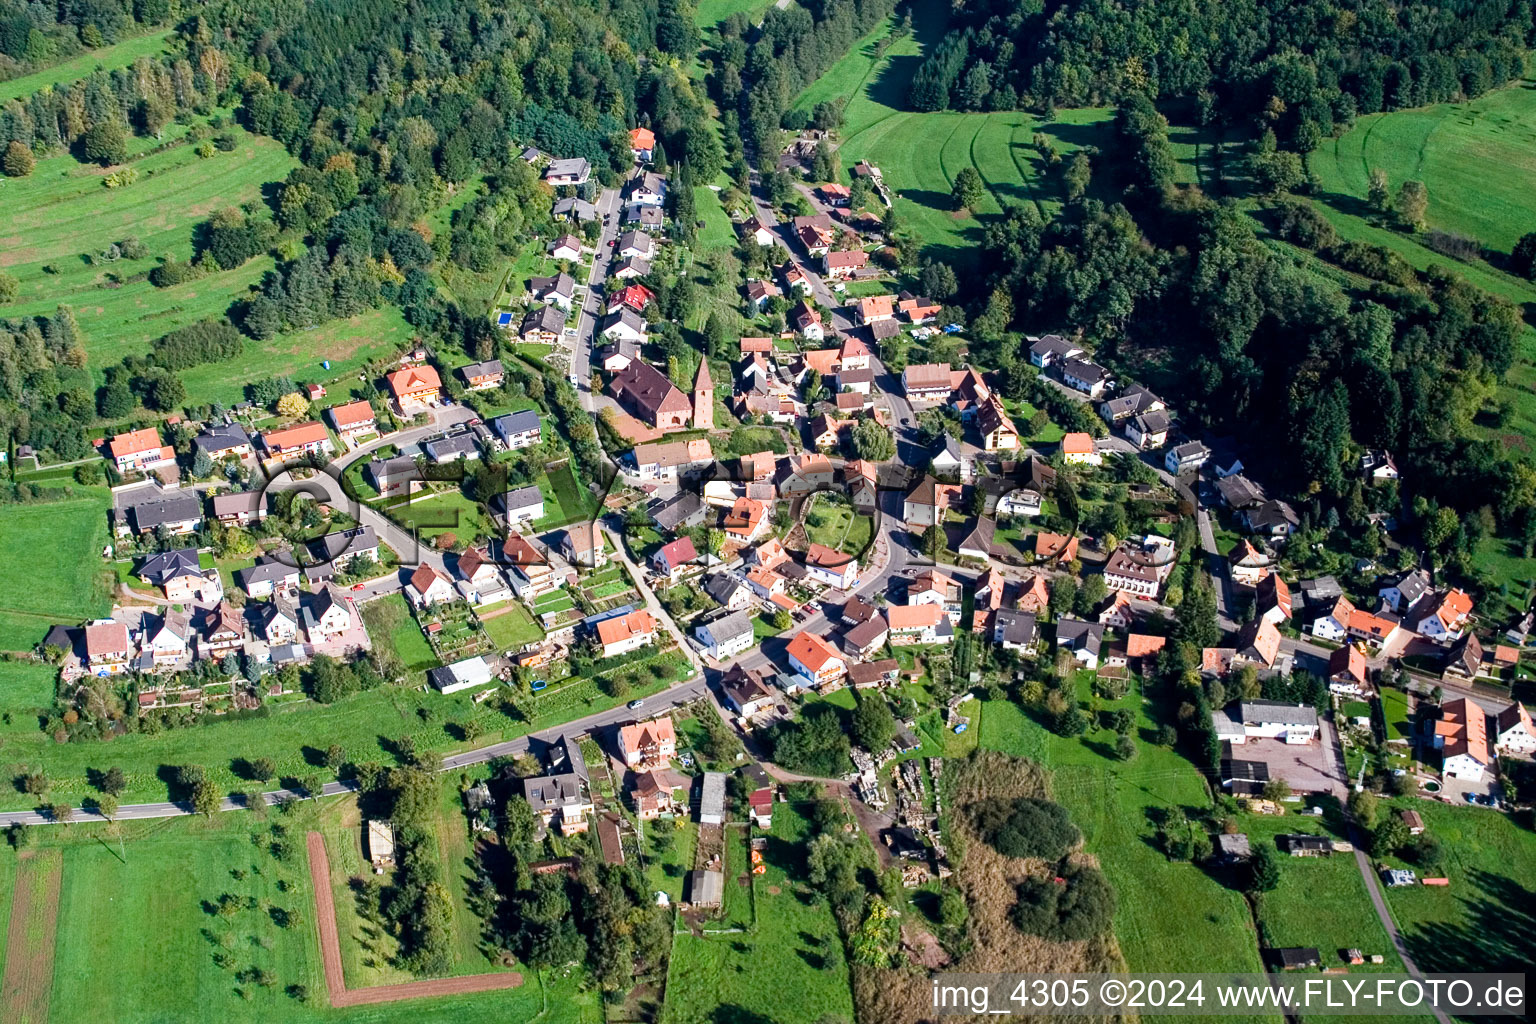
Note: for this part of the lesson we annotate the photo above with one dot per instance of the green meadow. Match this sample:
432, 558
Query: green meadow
107, 58
37, 592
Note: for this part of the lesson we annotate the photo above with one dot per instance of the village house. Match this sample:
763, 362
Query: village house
1132, 401
1247, 564
996, 427
558, 291
570, 171
867, 637
461, 445
583, 546
223, 631
1082, 639
926, 382
566, 248
1407, 590
481, 376
642, 144
841, 264
1265, 719
108, 648
1347, 672
179, 512
667, 460
875, 308
631, 267
832, 568
300, 439
1461, 736
461, 675
1139, 569
520, 505
754, 229
746, 520
1272, 602
166, 641
726, 636
515, 430
528, 566
327, 615
795, 279
1513, 731
807, 321
140, 451
729, 590
239, 509
277, 621
1050, 349
814, 233
917, 309
180, 577
1186, 458
222, 441
759, 292
1055, 547
624, 633
624, 324
1442, 617
1015, 630
562, 798
1088, 377
1079, 449
670, 558
926, 503
573, 208
414, 388
815, 661
1148, 429
918, 624
393, 476
429, 586
268, 576
648, 746
635, 245
352, 420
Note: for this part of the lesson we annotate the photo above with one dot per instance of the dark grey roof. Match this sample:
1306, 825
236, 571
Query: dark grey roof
580, 207
980, 536
561, 284
1412, 586
545, 318
1015, 627
638, 264
1247, 771
268, 570
1079, 635
237, 503
1278, 711
1083, 370
1053, 344
454, 446
729, 627
1270, 514
722, 586
1190, 450
635, 240
1152, 422
343, 542
866, 633
1240, 492
174, 507
170, 565
489, 368
626, 316
645, 215
520, 497
515, 423
678, 509
221, 436
386, 471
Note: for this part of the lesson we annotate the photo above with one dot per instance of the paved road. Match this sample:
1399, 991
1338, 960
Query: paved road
609, 208
679, 694
786, 234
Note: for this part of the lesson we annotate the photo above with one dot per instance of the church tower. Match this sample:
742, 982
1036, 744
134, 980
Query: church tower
703, 398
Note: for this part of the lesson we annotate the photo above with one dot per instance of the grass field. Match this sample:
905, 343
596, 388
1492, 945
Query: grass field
712, 12
718, 232
109, 58
512, 628
789, 970
1451, 147
61, 218
1485, 919
31, 599
1170, 915
130, 910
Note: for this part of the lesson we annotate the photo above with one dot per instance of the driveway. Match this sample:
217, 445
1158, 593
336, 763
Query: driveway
1308, 767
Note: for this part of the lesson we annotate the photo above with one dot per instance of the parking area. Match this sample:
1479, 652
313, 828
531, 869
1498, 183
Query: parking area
1455, 791
1308, 767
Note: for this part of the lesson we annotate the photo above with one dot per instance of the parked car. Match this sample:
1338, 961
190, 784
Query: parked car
635, 705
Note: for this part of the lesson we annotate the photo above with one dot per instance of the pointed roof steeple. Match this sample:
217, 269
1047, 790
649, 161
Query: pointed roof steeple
702, 381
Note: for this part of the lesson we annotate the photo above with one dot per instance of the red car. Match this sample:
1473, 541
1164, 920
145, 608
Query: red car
359, 586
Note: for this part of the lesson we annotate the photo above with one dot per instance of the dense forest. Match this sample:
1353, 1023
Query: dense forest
1303, 65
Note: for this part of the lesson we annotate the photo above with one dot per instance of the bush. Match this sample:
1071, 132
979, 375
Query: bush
1026, 827
1079, 906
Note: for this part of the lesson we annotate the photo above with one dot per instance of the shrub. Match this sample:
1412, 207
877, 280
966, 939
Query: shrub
1026, 827
1079, 906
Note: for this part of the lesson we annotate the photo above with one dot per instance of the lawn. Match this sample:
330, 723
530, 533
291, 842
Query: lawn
73, 532
718, 232
1394, 707
434, 514
127, 909
839, 526
1450, 147
513, 628
1483, 920
712, 12
406, 636
789, 969
108, 58
1170, 915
